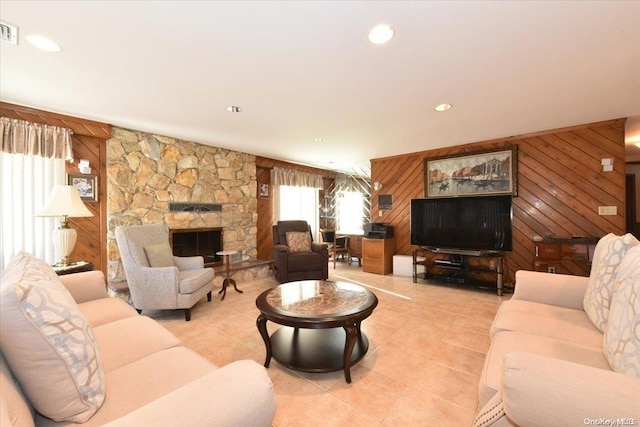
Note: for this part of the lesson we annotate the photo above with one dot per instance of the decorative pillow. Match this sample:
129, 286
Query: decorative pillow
48, 343
621, 340
299, 241
607, 256
159, 255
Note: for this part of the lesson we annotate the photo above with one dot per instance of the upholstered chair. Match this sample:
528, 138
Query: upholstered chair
158, 280
295, 255
337, 245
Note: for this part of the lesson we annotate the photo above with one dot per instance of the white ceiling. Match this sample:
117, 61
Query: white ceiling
304, 69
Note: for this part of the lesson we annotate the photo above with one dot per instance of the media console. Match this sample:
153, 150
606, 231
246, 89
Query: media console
457, 270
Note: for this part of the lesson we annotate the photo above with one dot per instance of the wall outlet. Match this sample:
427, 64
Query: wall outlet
607, 210
551, 270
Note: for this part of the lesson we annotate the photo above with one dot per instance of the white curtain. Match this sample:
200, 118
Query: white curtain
297, 203
32, 160
26, 184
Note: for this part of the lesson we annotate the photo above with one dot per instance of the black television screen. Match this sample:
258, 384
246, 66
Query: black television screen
479, 223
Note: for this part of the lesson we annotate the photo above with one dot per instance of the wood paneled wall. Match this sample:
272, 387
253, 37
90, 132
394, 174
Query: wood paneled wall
265, 204
560, 186
89, 142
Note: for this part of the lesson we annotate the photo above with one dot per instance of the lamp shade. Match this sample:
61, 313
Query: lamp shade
64, 201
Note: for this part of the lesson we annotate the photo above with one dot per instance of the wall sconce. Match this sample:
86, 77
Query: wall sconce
377, 185
83, 167
607, 165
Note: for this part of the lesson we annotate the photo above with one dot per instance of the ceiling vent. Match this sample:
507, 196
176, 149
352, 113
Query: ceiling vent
8, 33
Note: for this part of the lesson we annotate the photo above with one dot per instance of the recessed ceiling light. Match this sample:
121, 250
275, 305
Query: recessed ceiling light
443, 107
380, 34
318, 139
43, 43
234, 109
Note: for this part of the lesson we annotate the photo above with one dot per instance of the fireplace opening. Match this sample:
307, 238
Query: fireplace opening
204, 242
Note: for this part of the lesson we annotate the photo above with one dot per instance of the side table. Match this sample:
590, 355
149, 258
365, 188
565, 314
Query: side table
227, 273
74, 267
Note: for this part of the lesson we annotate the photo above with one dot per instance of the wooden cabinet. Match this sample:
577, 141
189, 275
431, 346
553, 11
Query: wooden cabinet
377, 255
552, 250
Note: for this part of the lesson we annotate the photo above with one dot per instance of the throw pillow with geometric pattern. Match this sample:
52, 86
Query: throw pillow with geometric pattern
621, 342
48, 343
608, 254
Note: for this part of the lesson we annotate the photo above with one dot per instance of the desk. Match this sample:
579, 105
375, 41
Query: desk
227, 276
552, 250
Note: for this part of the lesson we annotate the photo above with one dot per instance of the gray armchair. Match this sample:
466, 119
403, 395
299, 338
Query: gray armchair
290, 266
172, 282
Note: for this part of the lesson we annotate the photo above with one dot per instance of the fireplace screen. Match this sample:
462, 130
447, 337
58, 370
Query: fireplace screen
204, 242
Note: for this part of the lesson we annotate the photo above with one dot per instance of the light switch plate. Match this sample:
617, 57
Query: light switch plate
607, 210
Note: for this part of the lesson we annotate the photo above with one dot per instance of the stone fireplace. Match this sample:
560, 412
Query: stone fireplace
189, 187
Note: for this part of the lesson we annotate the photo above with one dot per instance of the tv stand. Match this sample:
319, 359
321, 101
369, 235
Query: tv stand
456, 269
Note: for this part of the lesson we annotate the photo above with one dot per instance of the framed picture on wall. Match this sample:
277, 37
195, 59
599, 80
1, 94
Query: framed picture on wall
472, 174
87, 186
263, 189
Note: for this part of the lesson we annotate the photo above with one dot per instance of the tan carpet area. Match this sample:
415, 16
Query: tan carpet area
427, 347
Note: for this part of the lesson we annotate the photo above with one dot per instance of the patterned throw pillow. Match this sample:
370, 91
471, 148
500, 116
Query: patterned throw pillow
607, 256
622, 336
159, 255
298, 241
48, 343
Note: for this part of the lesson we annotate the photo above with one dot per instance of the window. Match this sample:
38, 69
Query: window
350, 212
26, 183
293, 203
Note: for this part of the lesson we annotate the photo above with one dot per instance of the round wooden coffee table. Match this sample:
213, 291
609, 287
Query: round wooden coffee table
321, 319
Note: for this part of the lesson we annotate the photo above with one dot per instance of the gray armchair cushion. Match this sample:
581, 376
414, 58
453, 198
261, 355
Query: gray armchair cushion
159, 255
192, 280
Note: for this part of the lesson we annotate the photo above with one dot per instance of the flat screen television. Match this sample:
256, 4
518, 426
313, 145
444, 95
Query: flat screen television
474, 224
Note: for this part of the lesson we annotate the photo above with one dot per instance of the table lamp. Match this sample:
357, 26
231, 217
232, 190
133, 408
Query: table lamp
64, 201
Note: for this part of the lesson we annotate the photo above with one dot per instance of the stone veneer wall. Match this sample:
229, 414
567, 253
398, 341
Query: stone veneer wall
145, 172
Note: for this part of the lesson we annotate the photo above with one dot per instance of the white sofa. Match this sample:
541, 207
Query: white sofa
565, 350
129, 370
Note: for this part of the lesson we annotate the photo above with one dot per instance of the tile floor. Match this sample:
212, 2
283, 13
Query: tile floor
426, 350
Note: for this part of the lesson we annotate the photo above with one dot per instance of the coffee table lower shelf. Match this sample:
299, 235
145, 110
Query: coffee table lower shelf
314, 350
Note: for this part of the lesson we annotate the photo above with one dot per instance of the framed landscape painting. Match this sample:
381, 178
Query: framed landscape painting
472, 174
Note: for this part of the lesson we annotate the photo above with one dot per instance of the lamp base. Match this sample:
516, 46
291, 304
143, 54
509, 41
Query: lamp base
65, 262
64, 240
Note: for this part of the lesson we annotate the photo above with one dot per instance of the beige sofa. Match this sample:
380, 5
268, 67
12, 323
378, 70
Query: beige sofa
565, 350
128, 371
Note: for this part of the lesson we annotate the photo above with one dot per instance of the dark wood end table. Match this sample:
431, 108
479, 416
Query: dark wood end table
74, 267
321, 319
227, 276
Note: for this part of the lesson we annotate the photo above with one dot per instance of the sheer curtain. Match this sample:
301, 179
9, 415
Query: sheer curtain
32, 160
295, 196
